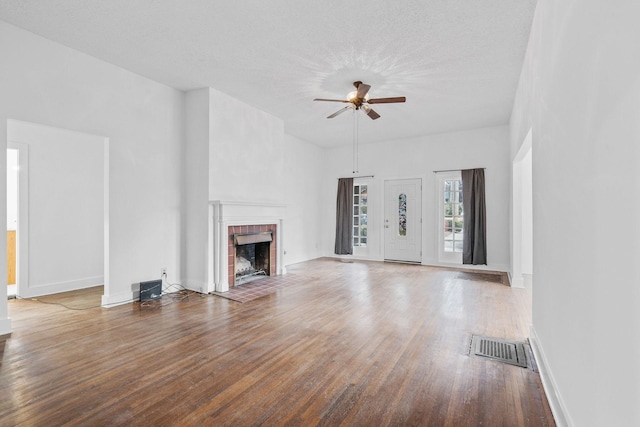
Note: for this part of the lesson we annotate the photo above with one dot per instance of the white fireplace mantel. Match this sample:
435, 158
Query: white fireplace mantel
222, 215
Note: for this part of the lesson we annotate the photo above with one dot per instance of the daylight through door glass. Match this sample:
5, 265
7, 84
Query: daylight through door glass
360, 215
453, 215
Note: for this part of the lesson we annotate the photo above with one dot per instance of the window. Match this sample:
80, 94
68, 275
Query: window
360, 215
402, 214
451, 214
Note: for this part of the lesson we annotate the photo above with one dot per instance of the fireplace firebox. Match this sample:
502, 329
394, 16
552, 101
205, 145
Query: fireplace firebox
252, 258
252, 252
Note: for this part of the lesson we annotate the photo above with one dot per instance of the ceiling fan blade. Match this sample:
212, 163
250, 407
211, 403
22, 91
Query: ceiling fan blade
363, 89
330, 100
387, 100
370, 112
342, 110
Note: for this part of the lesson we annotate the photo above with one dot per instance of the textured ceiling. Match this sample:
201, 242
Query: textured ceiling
456, 61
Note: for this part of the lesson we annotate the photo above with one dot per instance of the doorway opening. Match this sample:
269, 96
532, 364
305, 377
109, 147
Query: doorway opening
522, 208
12, 219
58, 208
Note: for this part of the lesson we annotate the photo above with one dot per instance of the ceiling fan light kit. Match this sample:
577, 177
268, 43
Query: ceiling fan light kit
359, 99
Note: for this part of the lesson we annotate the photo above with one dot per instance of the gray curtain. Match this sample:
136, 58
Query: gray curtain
344, 217
474, 244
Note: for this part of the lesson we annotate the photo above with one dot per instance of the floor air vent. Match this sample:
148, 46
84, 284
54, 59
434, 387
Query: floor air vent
499, 350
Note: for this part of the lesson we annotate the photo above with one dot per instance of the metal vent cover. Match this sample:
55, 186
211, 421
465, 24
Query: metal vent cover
499, 350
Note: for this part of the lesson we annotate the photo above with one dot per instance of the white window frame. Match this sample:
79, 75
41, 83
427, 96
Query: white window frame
363, 251
445, 257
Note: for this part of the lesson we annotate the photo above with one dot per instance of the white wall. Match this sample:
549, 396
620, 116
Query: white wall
195, 194
246, 156
303, 177
419, 158
252, 160
580, 94
235, 152
65, 216
46, 83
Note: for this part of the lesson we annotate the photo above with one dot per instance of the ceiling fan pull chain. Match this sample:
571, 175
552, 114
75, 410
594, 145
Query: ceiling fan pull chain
355, 136
355, 126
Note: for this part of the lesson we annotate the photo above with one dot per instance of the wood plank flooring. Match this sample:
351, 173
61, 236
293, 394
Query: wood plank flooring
353, 344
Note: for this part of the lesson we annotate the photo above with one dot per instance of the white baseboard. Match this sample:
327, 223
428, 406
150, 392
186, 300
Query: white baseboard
517, 282
493, 267
55, 288
119, 299
199, 286
353, 258
554, 398
5, 326
502, 268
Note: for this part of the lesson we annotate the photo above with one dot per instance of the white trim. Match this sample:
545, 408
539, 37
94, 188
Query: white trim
247, 204
54, 288
365, 251
558, 408
106, 240
516, 282
118, 299
445, 258
517, 212
492, 267
222, 215
417, 182
5, 326
502, 268
527, 281
22, 229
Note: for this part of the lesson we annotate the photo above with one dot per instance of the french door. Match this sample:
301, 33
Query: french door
450, 217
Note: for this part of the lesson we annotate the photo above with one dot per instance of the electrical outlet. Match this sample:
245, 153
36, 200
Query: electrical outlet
163, 272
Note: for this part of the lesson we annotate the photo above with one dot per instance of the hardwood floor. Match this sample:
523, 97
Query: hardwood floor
357, 344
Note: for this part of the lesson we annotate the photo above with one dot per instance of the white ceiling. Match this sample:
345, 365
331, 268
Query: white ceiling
457, 61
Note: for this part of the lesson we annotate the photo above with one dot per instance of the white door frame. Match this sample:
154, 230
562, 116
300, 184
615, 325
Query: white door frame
22, 228
444, 257
417, 258
519, 216
366, 251
22, 240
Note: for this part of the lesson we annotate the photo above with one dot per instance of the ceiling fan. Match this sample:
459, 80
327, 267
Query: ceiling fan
358, 99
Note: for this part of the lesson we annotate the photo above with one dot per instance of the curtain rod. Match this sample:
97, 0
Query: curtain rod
362, 176
456, 170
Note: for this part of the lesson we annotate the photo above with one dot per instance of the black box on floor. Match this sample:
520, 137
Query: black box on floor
150, 290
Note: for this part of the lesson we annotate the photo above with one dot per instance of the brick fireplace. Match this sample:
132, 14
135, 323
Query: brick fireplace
235, 248
228, 219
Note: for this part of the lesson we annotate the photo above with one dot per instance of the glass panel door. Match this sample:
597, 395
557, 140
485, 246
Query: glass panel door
451, 214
